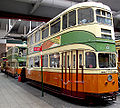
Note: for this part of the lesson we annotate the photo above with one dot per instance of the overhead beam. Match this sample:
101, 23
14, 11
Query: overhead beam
36, 6
8, 15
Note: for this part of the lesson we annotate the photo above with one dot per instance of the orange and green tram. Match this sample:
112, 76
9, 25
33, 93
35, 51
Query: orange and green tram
16, 59
3, 64
79, 56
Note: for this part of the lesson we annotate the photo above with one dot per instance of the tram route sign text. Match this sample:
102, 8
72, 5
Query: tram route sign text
37, 48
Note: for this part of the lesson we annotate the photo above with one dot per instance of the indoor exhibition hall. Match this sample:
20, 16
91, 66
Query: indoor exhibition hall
59, 53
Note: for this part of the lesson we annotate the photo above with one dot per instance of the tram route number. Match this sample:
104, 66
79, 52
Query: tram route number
37, 48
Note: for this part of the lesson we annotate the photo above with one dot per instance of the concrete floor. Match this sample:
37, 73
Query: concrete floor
14, 94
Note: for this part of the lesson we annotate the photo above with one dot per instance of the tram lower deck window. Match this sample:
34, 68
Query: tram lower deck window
45, 60
31, 62
55, 60
37, 61
90, 60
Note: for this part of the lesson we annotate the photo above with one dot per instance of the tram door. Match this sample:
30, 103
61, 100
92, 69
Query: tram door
72, 73
66, 74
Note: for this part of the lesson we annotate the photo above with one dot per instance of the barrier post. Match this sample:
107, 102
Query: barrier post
40, 49
42, 72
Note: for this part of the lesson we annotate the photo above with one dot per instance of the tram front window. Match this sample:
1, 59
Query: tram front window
106, 60
22, 64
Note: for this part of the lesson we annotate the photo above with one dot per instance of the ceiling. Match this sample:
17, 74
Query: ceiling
40, 11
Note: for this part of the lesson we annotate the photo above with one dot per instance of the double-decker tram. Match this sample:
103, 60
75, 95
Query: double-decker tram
3, 64
118, 54
79, 58
16, 59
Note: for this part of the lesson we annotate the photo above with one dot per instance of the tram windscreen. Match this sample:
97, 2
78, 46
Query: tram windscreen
22, 52
103, 17
22, 64
106, 60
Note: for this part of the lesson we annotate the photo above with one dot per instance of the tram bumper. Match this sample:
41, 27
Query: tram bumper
108, 96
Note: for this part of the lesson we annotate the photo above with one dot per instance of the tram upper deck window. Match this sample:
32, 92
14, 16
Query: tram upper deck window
31, 39
90, 60
64, 25
55, 26
98, 11
37, 36
106, 36
103, 13
85, 15
108, 14
72, 18
104, 17
69, 19
45, 32
16, 50
22, 52
106, 60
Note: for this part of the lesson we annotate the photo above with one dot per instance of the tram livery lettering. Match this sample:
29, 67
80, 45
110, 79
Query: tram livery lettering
47, 44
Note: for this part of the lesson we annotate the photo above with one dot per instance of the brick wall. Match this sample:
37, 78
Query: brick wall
2, 48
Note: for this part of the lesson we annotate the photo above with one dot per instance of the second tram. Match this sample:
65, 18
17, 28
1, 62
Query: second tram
16, 59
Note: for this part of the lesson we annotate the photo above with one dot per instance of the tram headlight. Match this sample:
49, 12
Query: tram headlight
109, 77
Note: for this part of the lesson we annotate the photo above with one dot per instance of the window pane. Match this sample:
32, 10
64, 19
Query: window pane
72, 18
55, 60
105, 30
68, 61
73, 61
85, 16
55, 26
80, 60
90, 60
104, 20
24, 52
22, 64
13, 64
103, 13
98, 11
16, 50
64, 25
107, 60
45, 32
31, 40
30, 62
37, 61
45, 61
37, 36
106, 36
108, 14
64, 61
